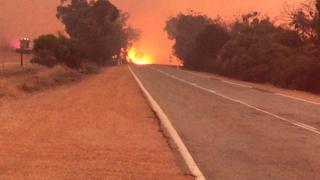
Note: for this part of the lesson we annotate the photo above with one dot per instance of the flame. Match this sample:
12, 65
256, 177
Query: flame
139, 58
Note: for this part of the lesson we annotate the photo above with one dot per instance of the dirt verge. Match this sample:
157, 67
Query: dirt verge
99, 128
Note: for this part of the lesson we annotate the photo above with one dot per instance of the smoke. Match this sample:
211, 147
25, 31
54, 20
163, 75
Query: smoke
27, 18
30, 18
4, 43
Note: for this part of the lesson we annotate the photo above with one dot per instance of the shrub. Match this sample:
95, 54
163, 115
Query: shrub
45, 57
51, 50
49, 78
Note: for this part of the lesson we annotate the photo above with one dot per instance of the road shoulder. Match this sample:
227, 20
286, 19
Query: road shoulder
97, 128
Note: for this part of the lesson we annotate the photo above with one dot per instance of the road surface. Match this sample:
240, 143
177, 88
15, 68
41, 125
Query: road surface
236, 132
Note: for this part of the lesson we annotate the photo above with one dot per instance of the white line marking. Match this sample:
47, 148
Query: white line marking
196, 74
173, 133
225, 81
293, 122
247, 86
296, 98
237, 84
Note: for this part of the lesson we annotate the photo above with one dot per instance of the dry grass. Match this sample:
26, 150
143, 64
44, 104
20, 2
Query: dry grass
99, 128
11, 59
48, 78
16, 81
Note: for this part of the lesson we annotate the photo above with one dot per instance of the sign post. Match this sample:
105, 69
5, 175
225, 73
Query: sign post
24, 46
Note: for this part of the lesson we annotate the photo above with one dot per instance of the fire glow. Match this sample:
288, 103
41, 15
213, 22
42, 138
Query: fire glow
137, 57
15, 43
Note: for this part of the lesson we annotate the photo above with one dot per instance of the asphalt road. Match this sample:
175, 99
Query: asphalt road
236, 132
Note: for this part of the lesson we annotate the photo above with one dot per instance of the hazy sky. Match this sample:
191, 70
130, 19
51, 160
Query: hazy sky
33, 17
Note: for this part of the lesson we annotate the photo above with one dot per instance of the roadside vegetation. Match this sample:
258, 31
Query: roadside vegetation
253, 47
96, 34
16, 81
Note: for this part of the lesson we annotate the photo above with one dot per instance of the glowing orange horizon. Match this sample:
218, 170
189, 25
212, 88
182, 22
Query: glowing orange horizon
137, 57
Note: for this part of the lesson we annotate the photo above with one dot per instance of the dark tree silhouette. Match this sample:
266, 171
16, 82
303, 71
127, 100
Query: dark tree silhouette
97, 31
253, 47
98, 27
184, 29
207, 46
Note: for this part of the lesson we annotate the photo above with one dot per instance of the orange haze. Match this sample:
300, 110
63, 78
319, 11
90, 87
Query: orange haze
33, 17
27, 18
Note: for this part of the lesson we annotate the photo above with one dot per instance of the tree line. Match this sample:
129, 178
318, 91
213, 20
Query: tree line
97, 32
253, 47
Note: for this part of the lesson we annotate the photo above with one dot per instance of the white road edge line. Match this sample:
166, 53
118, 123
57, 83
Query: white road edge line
293, 122
250, 87
193, 167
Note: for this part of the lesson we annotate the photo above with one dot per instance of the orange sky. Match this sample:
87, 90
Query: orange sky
33, 17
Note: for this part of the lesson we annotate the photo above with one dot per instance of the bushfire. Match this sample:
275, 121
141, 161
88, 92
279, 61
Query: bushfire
138, 57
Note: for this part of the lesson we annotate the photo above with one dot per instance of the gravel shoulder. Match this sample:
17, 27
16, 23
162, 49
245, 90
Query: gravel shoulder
98, 128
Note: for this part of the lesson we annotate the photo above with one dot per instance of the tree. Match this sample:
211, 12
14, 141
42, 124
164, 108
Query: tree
208, 44
97, 27
184, 28
256, 45
252, 48
305, 19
